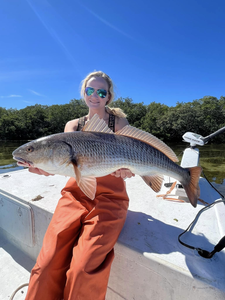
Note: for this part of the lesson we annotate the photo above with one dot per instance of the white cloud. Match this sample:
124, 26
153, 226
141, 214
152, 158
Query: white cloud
25, 75
42, 9
36, 93
11, 96
15, 96
29, 102
106, 22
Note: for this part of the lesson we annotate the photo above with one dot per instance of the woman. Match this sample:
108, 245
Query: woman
77, 253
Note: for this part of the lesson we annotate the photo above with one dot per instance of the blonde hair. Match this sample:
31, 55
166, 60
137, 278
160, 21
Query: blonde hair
115, 111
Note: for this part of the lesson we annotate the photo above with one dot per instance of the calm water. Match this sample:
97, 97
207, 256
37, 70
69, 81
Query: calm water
212, 159
7, 163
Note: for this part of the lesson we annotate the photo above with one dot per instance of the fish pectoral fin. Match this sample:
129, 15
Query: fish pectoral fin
77, 172
154, 181
97, 125
88, 186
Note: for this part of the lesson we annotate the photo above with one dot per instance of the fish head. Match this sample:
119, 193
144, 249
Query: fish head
48, 153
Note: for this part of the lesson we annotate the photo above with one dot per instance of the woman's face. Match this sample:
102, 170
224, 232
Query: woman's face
94, 101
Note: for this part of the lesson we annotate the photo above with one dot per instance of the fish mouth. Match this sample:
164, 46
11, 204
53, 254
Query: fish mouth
22, 163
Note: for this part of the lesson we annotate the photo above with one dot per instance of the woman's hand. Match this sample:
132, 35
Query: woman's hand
39, 171
123, 173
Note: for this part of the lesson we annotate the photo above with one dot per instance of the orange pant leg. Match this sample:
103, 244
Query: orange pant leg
78, 246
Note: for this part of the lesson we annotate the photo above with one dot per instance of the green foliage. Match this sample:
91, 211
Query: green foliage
156, 112
135, 111
202, 116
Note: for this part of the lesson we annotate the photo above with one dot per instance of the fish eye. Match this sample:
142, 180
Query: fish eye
30, 149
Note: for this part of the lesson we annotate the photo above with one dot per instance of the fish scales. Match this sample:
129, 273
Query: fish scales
89, 154
110, 152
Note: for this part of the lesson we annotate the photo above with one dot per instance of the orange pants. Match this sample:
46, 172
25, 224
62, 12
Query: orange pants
77, 253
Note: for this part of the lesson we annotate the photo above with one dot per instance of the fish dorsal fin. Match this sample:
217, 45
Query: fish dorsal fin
148, 138
154, 181
97, 125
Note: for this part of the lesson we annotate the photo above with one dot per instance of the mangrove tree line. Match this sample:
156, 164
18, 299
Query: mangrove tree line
202, 116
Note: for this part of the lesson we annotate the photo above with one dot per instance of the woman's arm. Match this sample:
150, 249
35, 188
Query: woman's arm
71, 126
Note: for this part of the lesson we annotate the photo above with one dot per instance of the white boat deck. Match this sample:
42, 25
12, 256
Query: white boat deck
149, 263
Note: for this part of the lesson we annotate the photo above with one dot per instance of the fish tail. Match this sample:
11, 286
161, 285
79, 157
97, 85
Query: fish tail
192, 187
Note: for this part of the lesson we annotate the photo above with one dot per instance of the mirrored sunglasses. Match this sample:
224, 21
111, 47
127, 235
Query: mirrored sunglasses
100, 92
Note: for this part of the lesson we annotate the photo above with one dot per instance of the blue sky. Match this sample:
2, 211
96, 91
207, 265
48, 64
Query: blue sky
163, 51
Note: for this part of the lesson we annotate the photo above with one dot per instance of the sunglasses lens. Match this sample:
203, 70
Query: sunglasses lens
102, 93
89, 91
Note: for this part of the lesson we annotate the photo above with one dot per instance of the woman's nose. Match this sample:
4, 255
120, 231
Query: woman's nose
95, 94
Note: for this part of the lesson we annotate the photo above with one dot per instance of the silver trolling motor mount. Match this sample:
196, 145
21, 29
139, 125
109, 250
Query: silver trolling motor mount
190, 156
190, 159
